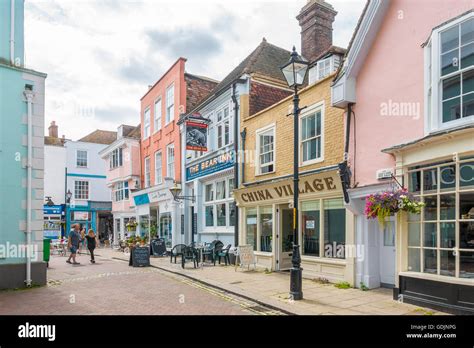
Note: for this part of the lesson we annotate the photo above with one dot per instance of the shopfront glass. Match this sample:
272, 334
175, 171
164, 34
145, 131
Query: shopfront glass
251, 227
441, 239
266, 228
334, 228
165, 231
310, 222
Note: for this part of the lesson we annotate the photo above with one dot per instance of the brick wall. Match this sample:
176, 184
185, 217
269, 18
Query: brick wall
263, 96
196, 90
333, 132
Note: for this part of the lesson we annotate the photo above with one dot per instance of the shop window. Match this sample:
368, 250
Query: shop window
310, 220
251, 227
221, 214
210, 216
266, 228
219, 203
166, 228
334, 228
439, 241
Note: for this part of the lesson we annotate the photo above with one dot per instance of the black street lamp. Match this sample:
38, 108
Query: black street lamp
295, 73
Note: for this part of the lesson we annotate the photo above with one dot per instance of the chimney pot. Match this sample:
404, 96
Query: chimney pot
53, 130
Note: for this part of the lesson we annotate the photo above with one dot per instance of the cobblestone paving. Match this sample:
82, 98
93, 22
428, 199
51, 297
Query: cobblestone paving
112, 287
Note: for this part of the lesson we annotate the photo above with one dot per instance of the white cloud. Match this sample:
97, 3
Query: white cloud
100, 56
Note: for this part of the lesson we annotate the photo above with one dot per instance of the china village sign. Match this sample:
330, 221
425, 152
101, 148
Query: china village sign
311, 184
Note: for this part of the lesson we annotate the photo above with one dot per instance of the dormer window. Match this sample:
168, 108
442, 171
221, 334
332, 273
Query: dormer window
449, 75
323, 68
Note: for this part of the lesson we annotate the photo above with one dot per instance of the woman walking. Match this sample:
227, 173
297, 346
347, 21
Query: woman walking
91, 243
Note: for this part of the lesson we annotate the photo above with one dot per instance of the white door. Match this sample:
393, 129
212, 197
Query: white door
284, 238
387, 254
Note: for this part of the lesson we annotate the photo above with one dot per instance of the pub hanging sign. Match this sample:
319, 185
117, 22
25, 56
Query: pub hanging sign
196, 135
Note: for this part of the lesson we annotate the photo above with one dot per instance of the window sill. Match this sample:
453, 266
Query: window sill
308, 163
263, 174
318, 259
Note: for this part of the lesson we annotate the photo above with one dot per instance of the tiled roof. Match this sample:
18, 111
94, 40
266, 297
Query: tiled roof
264, 60
53, 141
100, 137
135, 133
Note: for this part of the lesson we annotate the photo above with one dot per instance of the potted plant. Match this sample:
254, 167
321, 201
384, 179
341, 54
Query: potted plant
131, 225
388, 203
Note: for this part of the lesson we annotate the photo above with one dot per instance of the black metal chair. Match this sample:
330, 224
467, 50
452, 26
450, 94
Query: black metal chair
211, 250
177, 250
189, 253
222, 252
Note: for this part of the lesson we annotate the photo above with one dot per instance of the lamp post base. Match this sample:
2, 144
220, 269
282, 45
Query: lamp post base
296, 278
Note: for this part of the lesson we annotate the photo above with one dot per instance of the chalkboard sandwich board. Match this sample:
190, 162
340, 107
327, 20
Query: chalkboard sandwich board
140, 257
158, 247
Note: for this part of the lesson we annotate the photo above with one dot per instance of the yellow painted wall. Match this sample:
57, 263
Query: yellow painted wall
333, 132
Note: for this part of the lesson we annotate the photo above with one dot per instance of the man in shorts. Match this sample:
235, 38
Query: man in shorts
73, 244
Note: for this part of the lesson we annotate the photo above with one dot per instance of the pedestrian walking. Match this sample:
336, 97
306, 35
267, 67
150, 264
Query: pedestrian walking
74, 239
91, 243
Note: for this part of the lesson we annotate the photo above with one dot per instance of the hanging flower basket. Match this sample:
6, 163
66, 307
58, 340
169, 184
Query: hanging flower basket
384, 204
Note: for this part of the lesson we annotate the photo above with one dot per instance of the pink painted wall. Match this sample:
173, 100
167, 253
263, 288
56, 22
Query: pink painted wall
168, 133
394, 70
131, 166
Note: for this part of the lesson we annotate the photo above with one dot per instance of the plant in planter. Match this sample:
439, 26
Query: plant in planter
131, 225
384, 204
153, 230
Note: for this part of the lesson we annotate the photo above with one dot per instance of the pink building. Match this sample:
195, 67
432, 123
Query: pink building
123, 176
407, 85
172, 95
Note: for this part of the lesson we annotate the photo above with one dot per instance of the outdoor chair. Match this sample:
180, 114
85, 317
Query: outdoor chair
177, 250
189, 253
211, 250
222, 253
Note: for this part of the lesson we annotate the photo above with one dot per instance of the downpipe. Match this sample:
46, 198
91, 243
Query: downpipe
12, 32
29, 98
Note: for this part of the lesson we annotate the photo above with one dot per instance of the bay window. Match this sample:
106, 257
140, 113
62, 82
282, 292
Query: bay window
120, 191
219, 206
441, 238
116, 158
450, 65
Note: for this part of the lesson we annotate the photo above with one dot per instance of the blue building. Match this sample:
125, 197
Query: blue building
22, 93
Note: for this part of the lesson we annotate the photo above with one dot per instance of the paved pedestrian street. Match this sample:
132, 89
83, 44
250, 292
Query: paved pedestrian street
112, 287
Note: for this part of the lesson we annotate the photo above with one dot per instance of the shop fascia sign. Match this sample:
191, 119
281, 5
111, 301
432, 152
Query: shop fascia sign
312, 184
214, 164
151, 197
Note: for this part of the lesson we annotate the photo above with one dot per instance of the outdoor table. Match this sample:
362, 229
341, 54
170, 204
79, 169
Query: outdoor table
200, 249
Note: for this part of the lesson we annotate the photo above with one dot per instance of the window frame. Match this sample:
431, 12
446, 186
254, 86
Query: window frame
313, 109
146, 125
157, 121
214, 202
169, 103
320, 64
258, 133
121, 191
433, 111
147, 176
88, 190
87, 158
118, 153
220, 125
160, 172
168, 148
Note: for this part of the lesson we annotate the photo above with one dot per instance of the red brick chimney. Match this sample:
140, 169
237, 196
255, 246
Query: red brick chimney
315, 20
53, 130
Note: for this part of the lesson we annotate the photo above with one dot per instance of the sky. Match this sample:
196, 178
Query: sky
101, 55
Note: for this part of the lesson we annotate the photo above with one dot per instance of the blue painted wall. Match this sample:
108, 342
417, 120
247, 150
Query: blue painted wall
5, 23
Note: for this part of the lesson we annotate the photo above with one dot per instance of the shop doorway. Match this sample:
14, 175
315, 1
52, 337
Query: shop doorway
388, 254
284, 237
